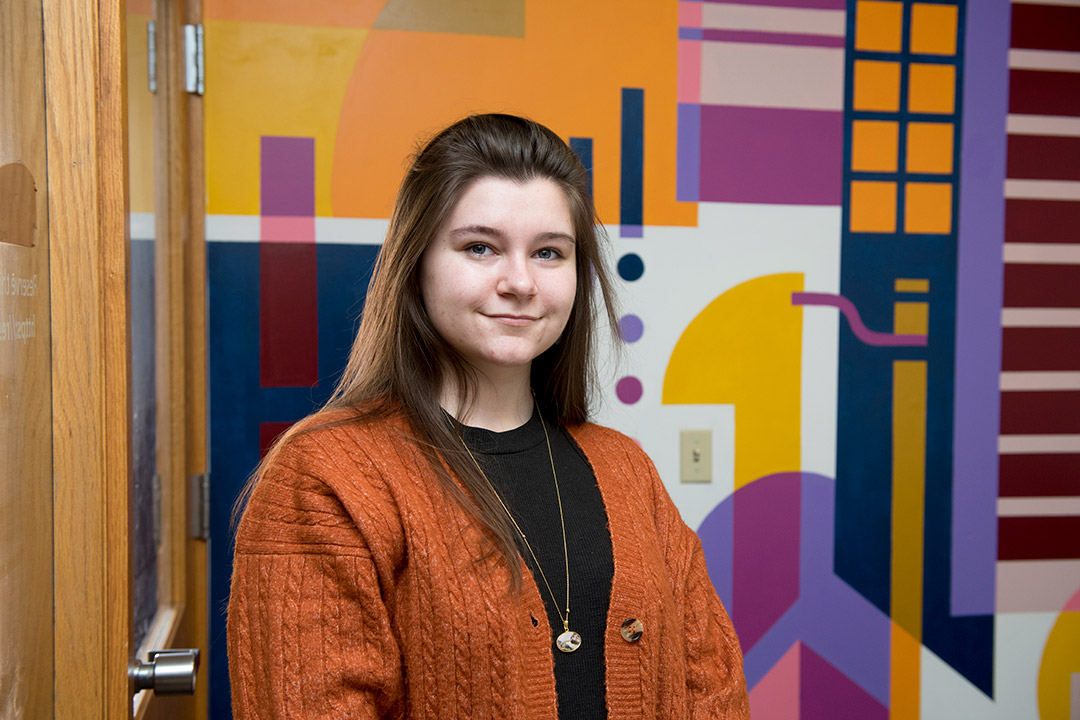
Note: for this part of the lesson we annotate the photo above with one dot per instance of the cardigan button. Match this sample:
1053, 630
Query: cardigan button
631, 630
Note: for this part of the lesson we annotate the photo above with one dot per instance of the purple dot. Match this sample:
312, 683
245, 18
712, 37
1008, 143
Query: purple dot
631, 328
629, 389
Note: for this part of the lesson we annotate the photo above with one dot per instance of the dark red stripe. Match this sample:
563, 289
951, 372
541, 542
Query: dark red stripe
1039, 475
1040, 349
270, 432
768, 38
1044, 92
288, 315
1041, 221
1045, 27
1039, 413
1042, 157
1038, 538
1042, 286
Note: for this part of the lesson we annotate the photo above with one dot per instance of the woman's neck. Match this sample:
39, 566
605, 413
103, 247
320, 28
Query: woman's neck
498, 404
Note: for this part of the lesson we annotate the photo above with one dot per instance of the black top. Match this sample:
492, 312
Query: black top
517, 464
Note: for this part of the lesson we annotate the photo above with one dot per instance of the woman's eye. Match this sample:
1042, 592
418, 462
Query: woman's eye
477, 249
548, 254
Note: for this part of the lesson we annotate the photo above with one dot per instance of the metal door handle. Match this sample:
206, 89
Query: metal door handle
169, 672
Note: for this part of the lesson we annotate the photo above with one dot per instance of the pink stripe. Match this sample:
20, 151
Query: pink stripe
776, 696
690, 14
287, 229
1074, 603
1037, 586
689, 71
767, 38
868, 336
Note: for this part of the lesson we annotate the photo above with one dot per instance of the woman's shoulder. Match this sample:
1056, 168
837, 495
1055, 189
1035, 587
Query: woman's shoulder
332, 470
345, 452
343, 435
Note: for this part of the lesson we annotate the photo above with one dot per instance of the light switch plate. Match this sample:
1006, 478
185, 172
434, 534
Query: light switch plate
695, 456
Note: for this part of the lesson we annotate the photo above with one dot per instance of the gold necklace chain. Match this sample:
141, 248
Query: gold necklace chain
568, 641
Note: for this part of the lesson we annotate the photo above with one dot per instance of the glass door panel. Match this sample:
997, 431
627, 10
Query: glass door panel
146, 536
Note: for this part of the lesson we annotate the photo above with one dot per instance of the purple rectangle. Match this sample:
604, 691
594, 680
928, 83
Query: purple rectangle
824, 690
839, 623
690, 33
819, 4
768, 38
287, 176
765, 551
771, 155
979, 299
688, 158
631, 231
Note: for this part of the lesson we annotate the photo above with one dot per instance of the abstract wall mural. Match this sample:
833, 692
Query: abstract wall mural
847, 238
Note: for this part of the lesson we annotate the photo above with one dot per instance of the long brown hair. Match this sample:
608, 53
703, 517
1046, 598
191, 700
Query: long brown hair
400, 362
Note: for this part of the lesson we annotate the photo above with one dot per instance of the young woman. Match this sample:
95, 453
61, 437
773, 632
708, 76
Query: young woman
450, 537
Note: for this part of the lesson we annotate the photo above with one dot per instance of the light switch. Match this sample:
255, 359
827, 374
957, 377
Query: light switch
695, 455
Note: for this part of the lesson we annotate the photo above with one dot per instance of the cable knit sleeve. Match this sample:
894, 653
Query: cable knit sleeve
716, 686
308, 632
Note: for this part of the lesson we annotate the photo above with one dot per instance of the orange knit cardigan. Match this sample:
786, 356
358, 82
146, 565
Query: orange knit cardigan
356, 593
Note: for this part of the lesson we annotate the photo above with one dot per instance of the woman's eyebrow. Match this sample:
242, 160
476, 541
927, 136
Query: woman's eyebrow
478, 230
500, 235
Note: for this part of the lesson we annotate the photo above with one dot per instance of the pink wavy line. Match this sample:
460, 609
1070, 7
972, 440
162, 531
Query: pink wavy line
845, 306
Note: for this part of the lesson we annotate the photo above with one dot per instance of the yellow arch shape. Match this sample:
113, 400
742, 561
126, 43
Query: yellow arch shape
745, 349
1060, 661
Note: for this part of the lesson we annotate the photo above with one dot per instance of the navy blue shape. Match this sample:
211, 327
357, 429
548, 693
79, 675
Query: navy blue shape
632, 170
344, 274
582, 147
631, 267
869, 265
238, 404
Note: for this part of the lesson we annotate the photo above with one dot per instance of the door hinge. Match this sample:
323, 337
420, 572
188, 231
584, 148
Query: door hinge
199, 506
195, 73
151, 56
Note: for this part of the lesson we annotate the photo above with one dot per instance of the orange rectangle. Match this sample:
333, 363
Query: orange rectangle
912, 285
904, 673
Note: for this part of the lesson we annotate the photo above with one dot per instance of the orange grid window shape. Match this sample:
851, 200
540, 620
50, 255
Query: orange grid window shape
929, 148
877, 86
879, 26
874, 145
928, 208
933, 29
932, 89
872, 207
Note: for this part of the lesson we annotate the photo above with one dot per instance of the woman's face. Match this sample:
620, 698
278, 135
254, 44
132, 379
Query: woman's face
499, 279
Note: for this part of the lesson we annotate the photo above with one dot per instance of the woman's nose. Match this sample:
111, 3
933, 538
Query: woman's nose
517, 277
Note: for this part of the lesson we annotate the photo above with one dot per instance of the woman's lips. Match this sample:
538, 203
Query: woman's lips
516, 320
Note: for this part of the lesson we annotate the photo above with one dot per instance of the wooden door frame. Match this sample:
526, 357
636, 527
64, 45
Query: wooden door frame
86, 112
88, 255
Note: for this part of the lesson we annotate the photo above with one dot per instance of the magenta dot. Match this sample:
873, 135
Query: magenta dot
629, 389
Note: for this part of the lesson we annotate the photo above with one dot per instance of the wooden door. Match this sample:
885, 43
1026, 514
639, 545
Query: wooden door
26, 496
66, 419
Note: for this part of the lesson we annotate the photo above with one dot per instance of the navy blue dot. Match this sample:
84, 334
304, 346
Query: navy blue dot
631, 267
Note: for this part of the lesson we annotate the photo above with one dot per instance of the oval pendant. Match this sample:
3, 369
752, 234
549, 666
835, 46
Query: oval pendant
568, 642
